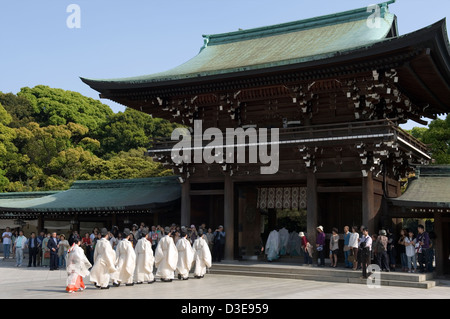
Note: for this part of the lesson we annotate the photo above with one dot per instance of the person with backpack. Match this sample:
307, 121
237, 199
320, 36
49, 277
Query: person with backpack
307, 249
382, 248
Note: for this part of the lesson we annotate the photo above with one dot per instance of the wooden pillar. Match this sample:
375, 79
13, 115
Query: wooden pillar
368, 209
439, 244
40, 225
229, 218
312, 208
185, 204
76, 226
113, 218
249, 229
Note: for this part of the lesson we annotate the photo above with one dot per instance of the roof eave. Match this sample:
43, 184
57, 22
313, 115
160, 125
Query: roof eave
433, 34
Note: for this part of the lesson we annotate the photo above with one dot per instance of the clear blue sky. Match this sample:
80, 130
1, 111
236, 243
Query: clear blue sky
137, 37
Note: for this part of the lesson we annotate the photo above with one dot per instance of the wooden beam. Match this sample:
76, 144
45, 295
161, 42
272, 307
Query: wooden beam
40, 226
339, 189
206, 192
338, 175
423, 85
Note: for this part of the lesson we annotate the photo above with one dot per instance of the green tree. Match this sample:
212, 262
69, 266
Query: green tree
130, 130
51, 137
125, 165
437, 137
7, 148
19, 108
58, 107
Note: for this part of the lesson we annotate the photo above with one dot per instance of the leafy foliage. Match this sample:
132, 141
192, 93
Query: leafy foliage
437, 137
52, 137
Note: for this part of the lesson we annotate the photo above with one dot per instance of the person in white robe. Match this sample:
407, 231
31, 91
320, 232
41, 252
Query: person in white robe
166, 258
185, 256
104, 262
77, 267
144, 261
203, 258
273, 246
125, 260
294, 247
284, 240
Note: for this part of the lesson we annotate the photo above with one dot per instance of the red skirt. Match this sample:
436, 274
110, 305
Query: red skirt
75, 284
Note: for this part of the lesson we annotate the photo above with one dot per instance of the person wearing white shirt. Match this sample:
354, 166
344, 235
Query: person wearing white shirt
353, 244
366, 247
19, 245
410, 247
6, 236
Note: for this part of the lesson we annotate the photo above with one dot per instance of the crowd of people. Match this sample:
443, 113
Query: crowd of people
359, 248
121, 257
128, 256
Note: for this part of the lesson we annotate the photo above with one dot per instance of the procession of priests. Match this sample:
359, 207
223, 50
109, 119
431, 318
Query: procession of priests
132, 262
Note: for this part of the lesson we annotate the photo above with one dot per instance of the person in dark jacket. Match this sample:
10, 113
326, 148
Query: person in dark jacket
219, 244
34, 245
52, 244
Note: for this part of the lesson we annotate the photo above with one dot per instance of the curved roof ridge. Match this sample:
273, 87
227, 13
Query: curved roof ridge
115, 183
294, 26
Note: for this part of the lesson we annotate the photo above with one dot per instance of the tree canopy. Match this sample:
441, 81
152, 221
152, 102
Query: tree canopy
437, 137
52, 137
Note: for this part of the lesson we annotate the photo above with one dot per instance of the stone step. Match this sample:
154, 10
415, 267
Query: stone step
323, 274
325, 271
410, 284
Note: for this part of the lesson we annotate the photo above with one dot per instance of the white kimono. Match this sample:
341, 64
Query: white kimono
144, 261
284, 240
166, 258
185, 257
104, 263
202, 257
125, 262
77, 266
294, 245
273, 246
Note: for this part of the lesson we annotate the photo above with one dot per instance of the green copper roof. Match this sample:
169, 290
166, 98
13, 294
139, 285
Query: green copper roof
277, 45
431, 189
295, 26
108, 195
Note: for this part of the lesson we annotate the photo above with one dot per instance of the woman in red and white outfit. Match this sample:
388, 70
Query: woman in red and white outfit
77, 268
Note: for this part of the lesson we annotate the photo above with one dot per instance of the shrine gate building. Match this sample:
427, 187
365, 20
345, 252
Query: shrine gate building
336, 88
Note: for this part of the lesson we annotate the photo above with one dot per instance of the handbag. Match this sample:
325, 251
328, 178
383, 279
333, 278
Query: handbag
351, 258
47, 254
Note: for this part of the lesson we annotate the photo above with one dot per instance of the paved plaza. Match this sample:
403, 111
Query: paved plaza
39, 282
